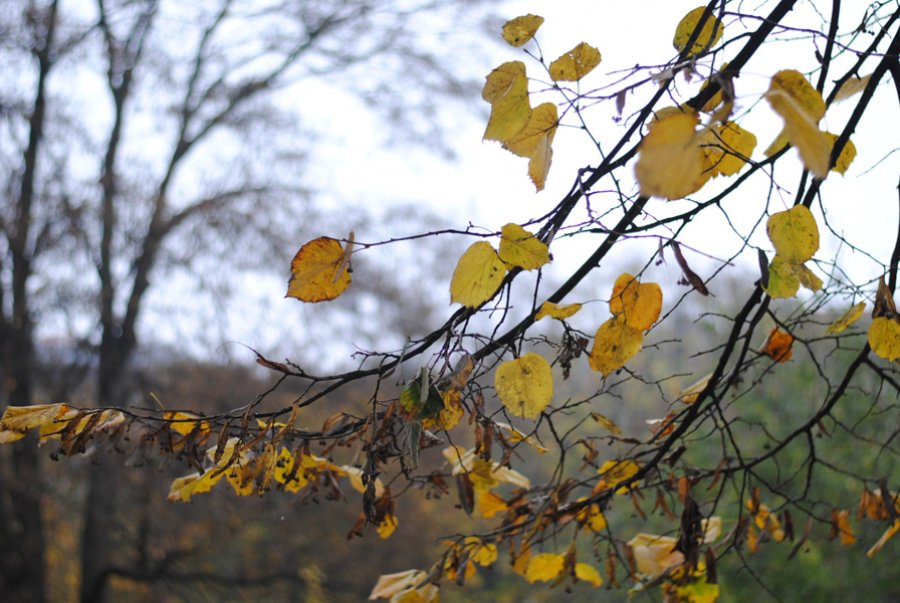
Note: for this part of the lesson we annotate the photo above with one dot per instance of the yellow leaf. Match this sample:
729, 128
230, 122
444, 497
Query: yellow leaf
848, 153
525, 385
477, 276
690, 394
884, 338
849, 317
795, 85
506, 88
654, 554
801, 107
389, 585
712, 529
520, 564
484, 554
520, 30
483, 473
794, 234
541, 127
535, 141
318, 272
725, 147
588, 573
518, 247
852, 86
575, 64
450, 414
539, 164
386, 527
544, 567
784, 278
606, 423
615, 472
808, 278
18, 420
183, 488
615, 343
888, 534
591, 517
780, 142
709, 35
636, 303
489, 504
778, 345
182, 424
697, 592
355, 475
514, 436
556, 311
670, 163
429, 593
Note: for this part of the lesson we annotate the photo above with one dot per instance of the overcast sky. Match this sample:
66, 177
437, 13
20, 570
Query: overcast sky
487, 186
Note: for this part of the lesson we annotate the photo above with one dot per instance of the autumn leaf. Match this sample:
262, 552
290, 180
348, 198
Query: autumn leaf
852, 86
709, 35
725, 149
691, 393
535, 141
591, 517
801, 107
489, 504
841, 528
699, 591
849, 317
848, 153
544, 567
556, 311
519, 31
778, 345
588, 573
636, 303
18, 420
386, 527
654, 554
888, 534
389, 585
575, 64
614, 472
355, 475
318, 272
506, 89
518, 247
884, 338
615, 343
513, 436
670, 161
184, 423
482, 553
484, 474
794, 233
183, 488
606, 423
477, 276
525, 385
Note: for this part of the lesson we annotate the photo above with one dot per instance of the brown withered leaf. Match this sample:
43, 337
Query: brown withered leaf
690, 276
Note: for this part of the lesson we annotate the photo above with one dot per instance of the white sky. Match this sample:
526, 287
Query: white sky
488, 186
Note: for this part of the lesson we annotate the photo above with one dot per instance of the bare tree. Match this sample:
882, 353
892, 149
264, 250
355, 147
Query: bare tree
191, 142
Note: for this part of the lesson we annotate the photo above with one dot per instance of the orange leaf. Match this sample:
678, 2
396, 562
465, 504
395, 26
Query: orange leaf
778, 346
